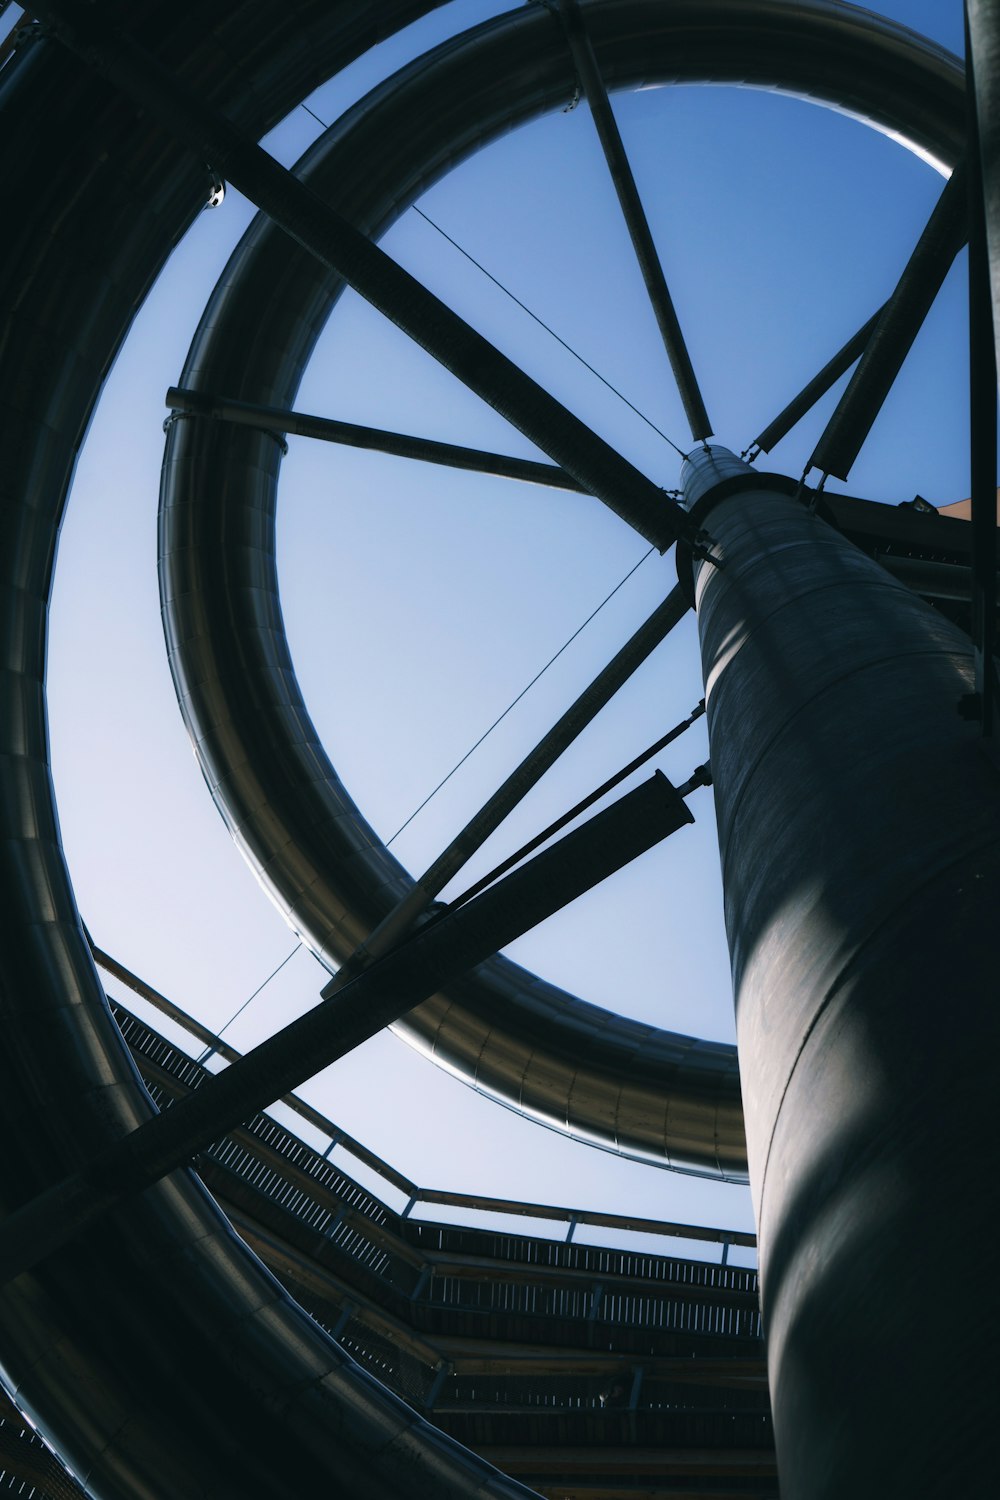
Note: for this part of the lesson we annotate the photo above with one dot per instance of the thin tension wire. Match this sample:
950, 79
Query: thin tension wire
541, 673
542, 324
458, 765
701, 777
533, 315
210, 1051
490, 277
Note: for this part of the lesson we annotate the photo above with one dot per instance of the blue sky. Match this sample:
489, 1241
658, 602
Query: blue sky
419, 601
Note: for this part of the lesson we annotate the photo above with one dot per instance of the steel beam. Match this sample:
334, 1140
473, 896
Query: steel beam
384, 992
521, 1040
859, 829
399, 444
635, 220
90, 31
166, 1317
817, 387
583, 805
928, 577
516, 787
897, 327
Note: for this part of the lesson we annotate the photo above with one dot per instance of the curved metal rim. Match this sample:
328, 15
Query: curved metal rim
626, 1087
156, 1354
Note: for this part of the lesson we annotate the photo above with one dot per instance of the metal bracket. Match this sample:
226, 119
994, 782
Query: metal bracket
555, 9
179, 416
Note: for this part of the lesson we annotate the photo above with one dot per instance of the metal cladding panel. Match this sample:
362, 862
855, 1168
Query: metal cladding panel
884, 637
859, 825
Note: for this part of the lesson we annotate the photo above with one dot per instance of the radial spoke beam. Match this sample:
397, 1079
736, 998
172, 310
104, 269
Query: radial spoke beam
983, 381
381, 995
350, 434
516, 787
897, 327
589, 74
702, 777
90, 31
817, 387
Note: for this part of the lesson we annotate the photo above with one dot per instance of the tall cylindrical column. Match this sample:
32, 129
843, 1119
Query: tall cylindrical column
859, 829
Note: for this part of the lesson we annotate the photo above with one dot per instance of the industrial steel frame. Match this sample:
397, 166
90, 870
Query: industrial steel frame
838, 995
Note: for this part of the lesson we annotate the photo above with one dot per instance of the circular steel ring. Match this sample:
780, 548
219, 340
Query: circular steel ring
627, 1087
156, 1352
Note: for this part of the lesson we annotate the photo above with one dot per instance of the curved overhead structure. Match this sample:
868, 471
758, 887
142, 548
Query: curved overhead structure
156, 1352
628, 1087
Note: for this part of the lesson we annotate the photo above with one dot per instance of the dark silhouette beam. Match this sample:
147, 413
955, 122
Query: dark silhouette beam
384, 992
352, 435
636, 222
817, 387
518, 784
89, 31
701, 777
893, 335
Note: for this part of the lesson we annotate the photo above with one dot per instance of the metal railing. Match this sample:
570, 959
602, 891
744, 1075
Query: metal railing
467, 1270
415, 1195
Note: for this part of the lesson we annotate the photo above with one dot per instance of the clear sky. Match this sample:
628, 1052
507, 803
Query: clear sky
420, 601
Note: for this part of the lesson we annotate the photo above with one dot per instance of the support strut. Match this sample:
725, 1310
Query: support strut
892, 338
817, 387
635, 221
90, 31
516, 787
352, 435
379, 996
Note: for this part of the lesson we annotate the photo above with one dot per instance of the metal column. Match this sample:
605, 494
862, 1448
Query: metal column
860, 845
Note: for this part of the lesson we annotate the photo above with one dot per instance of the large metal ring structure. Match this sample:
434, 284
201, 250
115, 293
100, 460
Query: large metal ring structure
647, 1093
155, 1352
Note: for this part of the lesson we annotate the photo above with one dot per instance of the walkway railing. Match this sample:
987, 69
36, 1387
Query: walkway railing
415, 1195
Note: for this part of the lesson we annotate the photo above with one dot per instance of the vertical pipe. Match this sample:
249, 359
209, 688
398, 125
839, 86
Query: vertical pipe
983, 23
860, 844
982, 418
